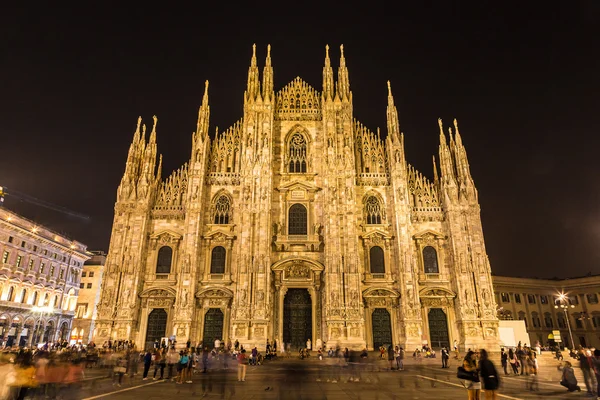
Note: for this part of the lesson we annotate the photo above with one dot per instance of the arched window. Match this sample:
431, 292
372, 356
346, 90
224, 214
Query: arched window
222, 210
373, 211
55, 301
297, 154
297, 220
430, 262
9, 295
376, 261
23, 295
217, 260
35, 298
164, 259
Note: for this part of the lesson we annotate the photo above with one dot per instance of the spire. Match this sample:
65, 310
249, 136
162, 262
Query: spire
203, 115
268, 77
253, 87
159, 170
446, 165
133, 154
460, 158
327, 77
153, 133
392, 115
343, 81
435, 173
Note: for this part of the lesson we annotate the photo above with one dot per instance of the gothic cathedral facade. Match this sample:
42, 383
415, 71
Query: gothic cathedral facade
297, 223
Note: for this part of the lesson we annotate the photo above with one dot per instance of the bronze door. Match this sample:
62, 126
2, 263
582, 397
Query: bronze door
297, 318
213, 327
382, 328
157, 326
438, 328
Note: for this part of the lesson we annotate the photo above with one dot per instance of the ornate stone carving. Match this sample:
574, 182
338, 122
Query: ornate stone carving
159, 303
298, 101
298, 271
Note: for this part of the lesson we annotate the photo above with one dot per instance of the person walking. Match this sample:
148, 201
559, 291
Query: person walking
172, 360
391, 356
585, 363
596, 367
159, 363
241, 359
489, 375
504, 360
473, 384
445, 357
147, 363
514, 363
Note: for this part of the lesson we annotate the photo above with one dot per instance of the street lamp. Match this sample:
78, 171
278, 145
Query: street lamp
564, 304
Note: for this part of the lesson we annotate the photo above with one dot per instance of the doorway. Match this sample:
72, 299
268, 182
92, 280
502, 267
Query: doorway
157, 327
297, 318
438, 328
382, 328
213, 327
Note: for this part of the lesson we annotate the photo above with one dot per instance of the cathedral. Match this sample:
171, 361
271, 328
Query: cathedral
298, 222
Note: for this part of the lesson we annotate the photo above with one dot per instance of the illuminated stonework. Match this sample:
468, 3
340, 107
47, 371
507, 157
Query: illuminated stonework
298, 201
40, 272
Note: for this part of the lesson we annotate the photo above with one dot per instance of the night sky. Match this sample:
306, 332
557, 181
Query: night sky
521, 79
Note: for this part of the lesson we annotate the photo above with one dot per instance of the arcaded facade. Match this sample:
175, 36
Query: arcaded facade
298, 222
537, 302
39, 281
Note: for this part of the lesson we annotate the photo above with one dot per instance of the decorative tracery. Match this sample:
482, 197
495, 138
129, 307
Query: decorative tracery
222, 210
297, 154
373, 211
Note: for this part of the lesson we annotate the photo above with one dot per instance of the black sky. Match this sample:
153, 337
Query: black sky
522, 80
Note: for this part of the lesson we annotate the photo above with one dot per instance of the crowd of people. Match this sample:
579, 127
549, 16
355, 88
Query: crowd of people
55, 369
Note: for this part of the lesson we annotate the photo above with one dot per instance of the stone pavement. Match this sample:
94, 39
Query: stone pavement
307, 379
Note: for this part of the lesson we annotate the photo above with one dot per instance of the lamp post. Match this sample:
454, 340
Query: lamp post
564, 304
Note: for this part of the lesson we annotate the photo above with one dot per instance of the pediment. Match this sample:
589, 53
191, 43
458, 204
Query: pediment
436, 292
219, 233
299, 185
429, 234
381, 292
288, 263
377, 233
158, 292
166, 235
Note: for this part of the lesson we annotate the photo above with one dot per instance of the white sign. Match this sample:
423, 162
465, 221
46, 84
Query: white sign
297, 194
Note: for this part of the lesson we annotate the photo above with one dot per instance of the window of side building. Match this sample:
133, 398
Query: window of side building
531, 298
505, 297
592, 298
544, 299
517, 298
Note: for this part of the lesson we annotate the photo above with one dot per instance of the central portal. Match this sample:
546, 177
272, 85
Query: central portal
297, 318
